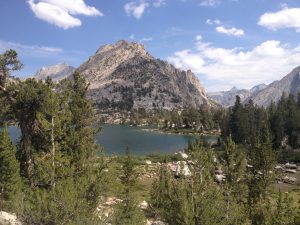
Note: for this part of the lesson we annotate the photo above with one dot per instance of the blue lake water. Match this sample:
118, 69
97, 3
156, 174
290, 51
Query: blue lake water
115, 139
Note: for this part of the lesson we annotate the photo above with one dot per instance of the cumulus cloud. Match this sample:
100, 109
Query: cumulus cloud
62, 13
230, 31
222, 68
285, 18
137, 8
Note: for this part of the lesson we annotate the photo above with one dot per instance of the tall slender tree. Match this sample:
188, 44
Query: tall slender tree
128, 212
235, 188
10, 180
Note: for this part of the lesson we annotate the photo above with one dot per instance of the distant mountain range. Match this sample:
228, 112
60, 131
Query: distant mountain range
290, 84
262, 94
56, 72
124, 76
227, 98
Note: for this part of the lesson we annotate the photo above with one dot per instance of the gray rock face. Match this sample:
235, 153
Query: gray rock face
227, 98
125, 76
56, 72
257, 88
290, 84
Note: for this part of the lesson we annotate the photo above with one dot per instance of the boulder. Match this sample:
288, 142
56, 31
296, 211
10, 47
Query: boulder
148, 162
8, 219
144, 205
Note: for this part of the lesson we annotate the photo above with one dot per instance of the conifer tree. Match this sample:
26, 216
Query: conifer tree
64, 158
276, 125
235, 188
190, 200
285, 213
262, 159
237, 122
205, 196
251, 128
10, 181
128, 212
8, 62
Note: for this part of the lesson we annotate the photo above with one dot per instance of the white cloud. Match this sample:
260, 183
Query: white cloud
211, 22
198, 38
210, 3
222, 68
230, 31
208, 21
285, 18
132, 37
218, 22
62, 12
136, 9
33, 50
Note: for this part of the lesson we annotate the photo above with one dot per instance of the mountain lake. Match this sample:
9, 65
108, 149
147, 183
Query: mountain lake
140, 140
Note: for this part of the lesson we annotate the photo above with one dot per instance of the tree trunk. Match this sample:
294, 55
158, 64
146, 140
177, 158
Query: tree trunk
27, 163
53, 152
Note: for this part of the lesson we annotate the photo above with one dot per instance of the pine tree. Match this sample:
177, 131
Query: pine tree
68, 172
251, 128
8, 62
285, 213
190, 200
237, 122
10, 181
263, 160
128, 212
292, 122
276, 125
235, 188
205, 195
160, 192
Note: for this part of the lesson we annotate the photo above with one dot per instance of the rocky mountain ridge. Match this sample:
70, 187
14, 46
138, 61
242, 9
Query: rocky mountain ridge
290, 84
124, 76
56, 72
227, 98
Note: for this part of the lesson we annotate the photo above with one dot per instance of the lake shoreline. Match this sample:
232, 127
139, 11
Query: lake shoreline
140, 140
159, 129
163, 131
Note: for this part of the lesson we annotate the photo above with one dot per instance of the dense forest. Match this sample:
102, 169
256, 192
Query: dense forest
57, 174
247, 124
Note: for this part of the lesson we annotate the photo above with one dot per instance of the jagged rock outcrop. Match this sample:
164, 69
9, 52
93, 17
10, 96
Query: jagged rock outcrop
56, 72
227, 98
290, 84
124, 76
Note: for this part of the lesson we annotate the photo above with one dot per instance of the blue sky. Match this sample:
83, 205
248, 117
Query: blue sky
224, 42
